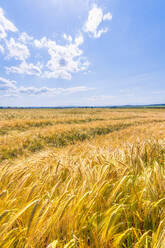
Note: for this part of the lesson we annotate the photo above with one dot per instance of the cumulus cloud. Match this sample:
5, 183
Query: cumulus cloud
25, 68
79, 40
25, 38
64, 59
6, 84
57, 74
17, 50
95, 18
107, 17
67, 37
43, 42
5, 25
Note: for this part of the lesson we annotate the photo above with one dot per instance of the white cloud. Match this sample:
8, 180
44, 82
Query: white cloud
5, 25
32, 90
107, 17
1, 49
57, 74
6, 84
25, 38
79, 40
25, 68
11, 95
95, 18
76, 89
67, 37
51, 91
17, 50
9, 87
100, 32
41, 43
64, 59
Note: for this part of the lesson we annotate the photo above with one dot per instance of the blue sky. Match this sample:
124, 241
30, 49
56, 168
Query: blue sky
82, 52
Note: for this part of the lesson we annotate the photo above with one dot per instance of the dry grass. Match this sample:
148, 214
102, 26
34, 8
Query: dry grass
98, 183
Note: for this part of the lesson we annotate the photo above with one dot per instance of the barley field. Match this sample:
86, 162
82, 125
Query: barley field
82, 178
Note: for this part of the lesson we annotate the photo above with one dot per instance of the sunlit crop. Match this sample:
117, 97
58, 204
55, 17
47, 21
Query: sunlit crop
82, 178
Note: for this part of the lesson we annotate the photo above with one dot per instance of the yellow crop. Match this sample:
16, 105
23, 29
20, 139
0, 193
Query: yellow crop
82, 178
